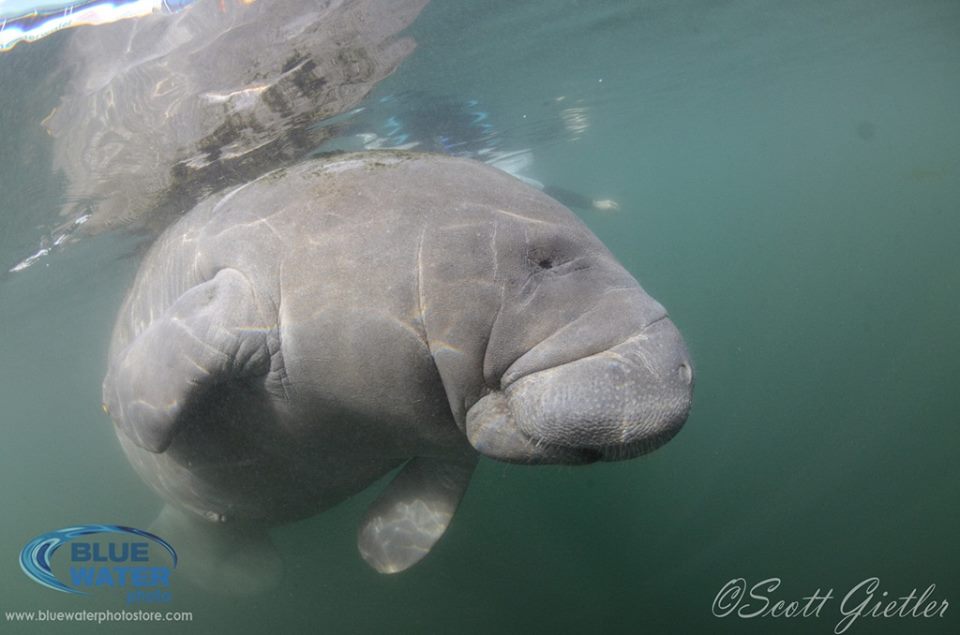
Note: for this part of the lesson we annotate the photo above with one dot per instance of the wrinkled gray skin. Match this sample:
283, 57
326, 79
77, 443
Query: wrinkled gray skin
289, 342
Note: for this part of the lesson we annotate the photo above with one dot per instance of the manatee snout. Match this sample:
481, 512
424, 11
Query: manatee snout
617, 404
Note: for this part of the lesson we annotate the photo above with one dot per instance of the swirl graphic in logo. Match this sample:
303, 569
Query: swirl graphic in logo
36, 554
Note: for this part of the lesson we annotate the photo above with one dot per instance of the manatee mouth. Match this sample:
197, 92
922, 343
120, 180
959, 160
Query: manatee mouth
493, 431
610, 406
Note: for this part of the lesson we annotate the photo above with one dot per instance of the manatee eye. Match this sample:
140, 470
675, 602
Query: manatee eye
544, 258
551, 255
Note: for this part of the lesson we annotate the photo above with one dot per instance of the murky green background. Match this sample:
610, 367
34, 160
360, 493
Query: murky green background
789, 181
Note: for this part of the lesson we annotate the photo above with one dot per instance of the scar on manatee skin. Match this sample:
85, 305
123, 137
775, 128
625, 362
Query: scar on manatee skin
47, 119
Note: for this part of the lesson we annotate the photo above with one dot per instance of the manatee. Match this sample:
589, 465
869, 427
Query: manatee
290, 341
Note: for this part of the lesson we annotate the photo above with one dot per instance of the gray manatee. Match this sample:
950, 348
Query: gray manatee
288, 342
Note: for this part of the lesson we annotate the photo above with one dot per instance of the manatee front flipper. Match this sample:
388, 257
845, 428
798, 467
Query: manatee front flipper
213, 333
412, 513
222, 558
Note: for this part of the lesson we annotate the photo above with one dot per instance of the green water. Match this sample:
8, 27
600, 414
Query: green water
788, 175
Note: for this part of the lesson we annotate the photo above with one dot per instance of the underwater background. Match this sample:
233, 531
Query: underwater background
783, 176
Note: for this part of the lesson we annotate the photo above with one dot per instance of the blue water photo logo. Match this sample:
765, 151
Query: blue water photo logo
102, 558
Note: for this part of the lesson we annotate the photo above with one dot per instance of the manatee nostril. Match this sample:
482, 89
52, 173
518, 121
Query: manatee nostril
686, 373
